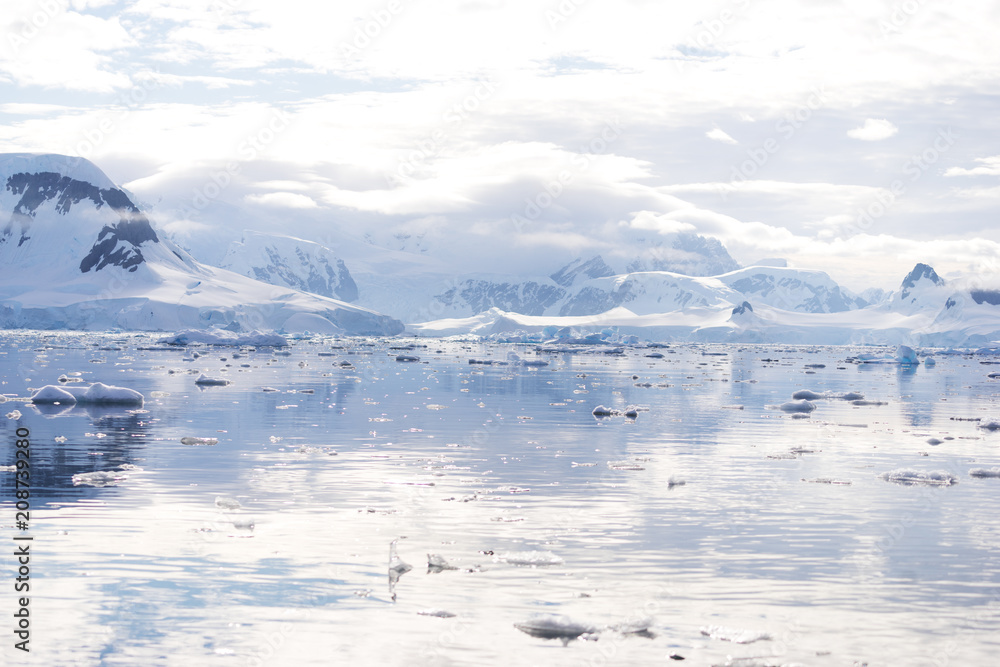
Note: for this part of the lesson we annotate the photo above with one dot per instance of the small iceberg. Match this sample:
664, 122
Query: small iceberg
397, 568
193, 441
554, 626
797, 406
437, 564
95, 394
916, 477
206, 381
222, 337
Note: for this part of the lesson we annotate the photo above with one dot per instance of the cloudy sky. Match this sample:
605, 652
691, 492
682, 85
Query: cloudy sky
857, 137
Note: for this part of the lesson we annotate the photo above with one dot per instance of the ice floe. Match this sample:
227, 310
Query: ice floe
797, 406
95, 394
104, 477
207, 381
984, 472
554, 626
437, 563
397, 568
222, 337
918, 477
437, 613
194, 441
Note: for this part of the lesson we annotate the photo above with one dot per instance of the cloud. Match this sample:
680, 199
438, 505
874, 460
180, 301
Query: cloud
719, 135
874, 129
990, 167
282, 200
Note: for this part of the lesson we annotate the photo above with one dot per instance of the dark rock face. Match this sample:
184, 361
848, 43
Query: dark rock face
116, 245
919, 272
744, 307
982, 296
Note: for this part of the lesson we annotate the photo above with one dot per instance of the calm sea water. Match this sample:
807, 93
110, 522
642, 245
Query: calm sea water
700, 512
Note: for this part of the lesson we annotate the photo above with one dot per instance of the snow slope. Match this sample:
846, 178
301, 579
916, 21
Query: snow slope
76, 253
290, 262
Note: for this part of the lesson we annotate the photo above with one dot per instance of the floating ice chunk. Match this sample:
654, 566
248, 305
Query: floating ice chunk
209, 381
828, 480
906, 355
190, 440
406, 357
103, 394
14, 414
531, 558
8, 468
437, 613
929, 361
625, 465
601, 411
852, 396
984, 472
806, 394
735, 635
244, 523
797, 406
104, 477
218, 337
919, 477
227, 503
554, 626
437, 563
397, 568
636, 626
990, 423
50, 394
862, 403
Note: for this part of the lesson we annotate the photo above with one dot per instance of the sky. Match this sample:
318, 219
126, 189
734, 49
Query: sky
854, 137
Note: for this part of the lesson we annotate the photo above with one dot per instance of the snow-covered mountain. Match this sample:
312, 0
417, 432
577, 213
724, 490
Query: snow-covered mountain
792, 289
685, 253
76, 253
932, 312
290, 262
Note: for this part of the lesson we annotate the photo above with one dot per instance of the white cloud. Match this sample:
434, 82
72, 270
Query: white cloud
717, 134
874, 129
282, 200
990, 167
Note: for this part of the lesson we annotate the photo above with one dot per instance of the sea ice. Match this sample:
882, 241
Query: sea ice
50, 394
437, 613
397, 568
190, 440
14, 414
984, 472
227, 503
222, 337
918, 477
531, 558
735, 635
437, 563
554, 626
204, 380
797, 406
805, 394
